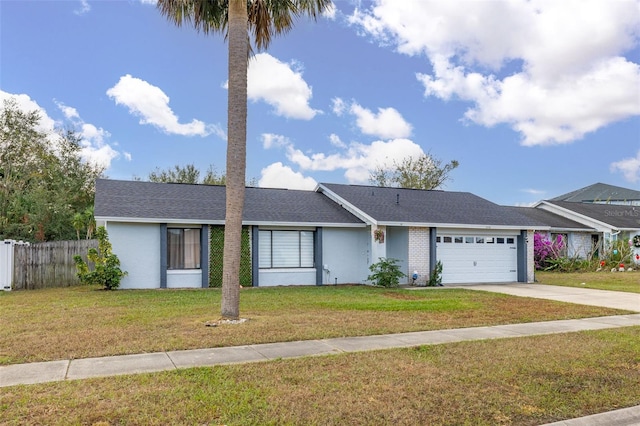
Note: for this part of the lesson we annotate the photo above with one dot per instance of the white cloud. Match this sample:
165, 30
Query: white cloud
629, 167
280, 85
84, 8
270, 140
358, 159
278, 175
534, 191
330, 12
336, 141
151, 104
553, 71
69, 112
338, 106
386, 124
94, 145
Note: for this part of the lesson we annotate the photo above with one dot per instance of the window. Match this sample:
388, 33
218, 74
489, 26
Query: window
447, 239
510, 240
183, 248
489, 240
479, 240
500, 240
468, 240
286, 249
457, 240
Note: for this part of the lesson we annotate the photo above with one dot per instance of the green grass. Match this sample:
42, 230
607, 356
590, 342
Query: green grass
519, 381
603, 280
81, 322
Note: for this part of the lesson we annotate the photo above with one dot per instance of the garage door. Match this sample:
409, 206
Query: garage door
477, 258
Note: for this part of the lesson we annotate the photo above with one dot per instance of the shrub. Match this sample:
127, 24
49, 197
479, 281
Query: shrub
107, 272
386, 273
436, 276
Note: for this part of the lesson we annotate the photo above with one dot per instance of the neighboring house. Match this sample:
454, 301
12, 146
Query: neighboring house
163, 234
580, 240
590, 219
602, 193
609, 222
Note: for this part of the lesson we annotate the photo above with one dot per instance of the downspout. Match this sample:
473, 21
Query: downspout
163, 255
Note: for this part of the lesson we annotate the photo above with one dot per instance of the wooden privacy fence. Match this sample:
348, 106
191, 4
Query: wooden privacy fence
50, 264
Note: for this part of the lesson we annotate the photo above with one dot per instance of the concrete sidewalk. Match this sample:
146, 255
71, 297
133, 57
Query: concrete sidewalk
42, 372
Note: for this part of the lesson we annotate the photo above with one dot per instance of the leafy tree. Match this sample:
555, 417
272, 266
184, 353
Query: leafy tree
235, 19
424, 172
106, 272
187, 174
178, 174
43, 180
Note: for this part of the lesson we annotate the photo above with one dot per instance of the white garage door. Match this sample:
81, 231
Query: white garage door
477, 258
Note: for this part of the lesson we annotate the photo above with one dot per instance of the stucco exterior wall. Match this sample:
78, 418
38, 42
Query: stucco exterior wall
398, 248
184, 279
137, 245
292, 276
347, 255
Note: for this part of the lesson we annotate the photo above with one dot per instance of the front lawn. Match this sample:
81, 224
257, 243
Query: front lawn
518, 381
603, 280
80, 322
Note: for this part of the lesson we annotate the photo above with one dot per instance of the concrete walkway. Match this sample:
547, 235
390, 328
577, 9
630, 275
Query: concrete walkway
42, 372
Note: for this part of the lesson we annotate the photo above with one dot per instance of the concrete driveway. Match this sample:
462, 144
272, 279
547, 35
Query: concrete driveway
581, 296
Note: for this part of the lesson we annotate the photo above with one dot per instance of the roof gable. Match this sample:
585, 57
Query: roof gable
617, 216
406, 206
601, 193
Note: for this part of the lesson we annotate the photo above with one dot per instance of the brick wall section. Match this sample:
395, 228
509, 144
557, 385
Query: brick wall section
579, 245
531, 267
419, 254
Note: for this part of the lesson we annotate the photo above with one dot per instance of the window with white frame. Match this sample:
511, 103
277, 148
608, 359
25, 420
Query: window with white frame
183, 248
285, 249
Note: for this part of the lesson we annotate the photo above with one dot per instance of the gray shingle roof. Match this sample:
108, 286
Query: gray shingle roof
206, 203
549, 219
428, 207
600, 192
619, 216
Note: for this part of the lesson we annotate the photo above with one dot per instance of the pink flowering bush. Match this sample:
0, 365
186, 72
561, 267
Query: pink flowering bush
547, 252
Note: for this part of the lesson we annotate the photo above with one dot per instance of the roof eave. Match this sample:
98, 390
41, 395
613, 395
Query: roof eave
461, 225
221, 222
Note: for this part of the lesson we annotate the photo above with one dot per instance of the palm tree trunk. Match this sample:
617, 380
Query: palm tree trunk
236, 157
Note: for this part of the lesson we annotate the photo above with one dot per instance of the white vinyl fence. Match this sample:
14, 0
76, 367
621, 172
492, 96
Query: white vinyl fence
6, 262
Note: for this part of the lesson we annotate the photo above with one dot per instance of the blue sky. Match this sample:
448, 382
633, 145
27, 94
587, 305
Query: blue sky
533, 98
